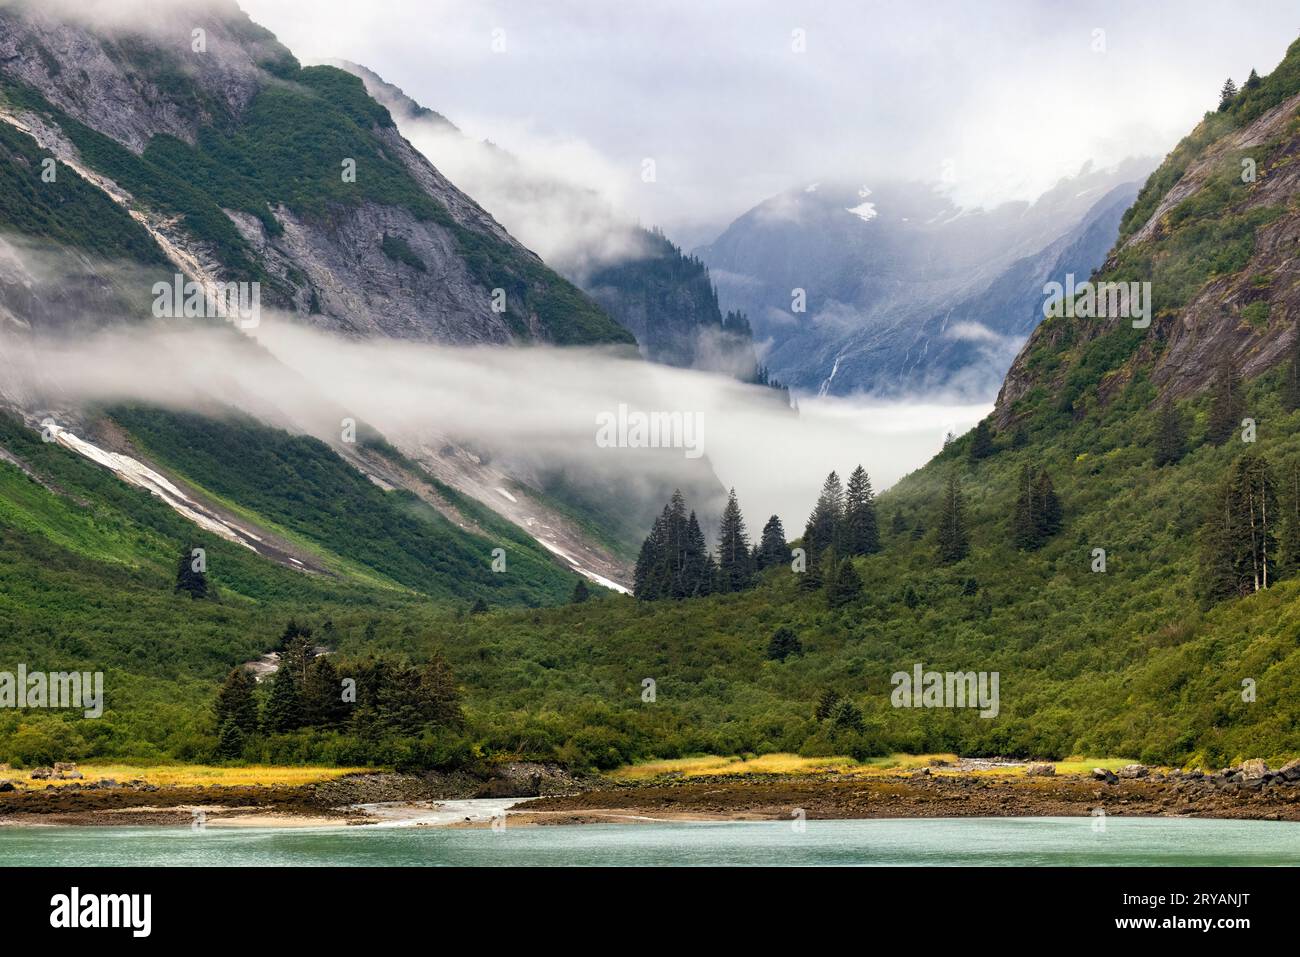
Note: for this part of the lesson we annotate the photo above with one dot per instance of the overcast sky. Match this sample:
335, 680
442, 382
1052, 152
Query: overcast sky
1008, 96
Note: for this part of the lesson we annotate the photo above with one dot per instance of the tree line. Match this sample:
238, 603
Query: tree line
367, 698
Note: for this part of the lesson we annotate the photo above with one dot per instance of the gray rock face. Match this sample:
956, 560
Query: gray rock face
90, 67
136, 83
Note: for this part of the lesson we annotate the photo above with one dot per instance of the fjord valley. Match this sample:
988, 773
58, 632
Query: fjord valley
281, 551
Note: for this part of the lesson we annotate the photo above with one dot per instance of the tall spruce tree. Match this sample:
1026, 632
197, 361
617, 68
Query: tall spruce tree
235, 704
953, 541
190, 574
773, 549
1227, 94
322, 695
1047, 506
822, 530
1170, 434
861, 532
1038, 511
847, 587
699, 571
1024, 523
1239, 548
735, 563
284, 711
1226, 403
647, 577
1288, 548
981, 442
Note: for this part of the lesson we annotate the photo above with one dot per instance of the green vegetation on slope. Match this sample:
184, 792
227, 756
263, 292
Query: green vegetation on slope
288, 149
299, 484
68, 211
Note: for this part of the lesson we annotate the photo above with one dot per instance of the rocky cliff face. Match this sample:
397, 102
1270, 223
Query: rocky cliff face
1215, 231
220, 145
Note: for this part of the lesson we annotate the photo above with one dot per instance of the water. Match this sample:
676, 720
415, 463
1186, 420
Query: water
924, 842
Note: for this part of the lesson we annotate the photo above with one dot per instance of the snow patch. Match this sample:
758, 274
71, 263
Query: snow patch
864, 211
598, 579
138, 474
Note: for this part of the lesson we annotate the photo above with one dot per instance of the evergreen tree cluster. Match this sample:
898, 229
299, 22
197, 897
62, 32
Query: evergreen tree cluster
308, 691
844, 519
1239, 541
674, 561
1038, 510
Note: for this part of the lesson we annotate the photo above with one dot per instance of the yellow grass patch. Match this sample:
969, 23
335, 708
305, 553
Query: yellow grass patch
193, 775
792, 764
711, 765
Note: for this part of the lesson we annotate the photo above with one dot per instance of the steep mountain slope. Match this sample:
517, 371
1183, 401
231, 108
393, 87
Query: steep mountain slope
664, 297
877, 265
246, 167
1214, 232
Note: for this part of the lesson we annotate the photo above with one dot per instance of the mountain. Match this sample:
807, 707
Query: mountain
245, 166
640, 277
854, 288
1212, 232
1090, 581
215, 156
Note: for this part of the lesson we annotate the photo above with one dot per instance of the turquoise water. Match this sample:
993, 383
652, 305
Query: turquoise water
927, 842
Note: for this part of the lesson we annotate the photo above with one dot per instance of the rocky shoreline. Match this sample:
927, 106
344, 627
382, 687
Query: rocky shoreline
556, 796
1249, 791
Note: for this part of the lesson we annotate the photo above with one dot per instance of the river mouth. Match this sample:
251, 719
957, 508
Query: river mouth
915, 842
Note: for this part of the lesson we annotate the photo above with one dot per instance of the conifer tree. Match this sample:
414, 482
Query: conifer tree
826, 703
953, 541
284, 710
847, 587
784, 643
189, 575
439, 693
322, 695
861, 533
823, 526
1239, 548
1038, 510
647, 577
981, 442
898, 524
773, 549
1024, 525
735, 568
580, 592
698, 570
1226, 403
230, 740
1288, 558
1253, 81
1047, 506
1227, 94
235, 704
1170, 434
